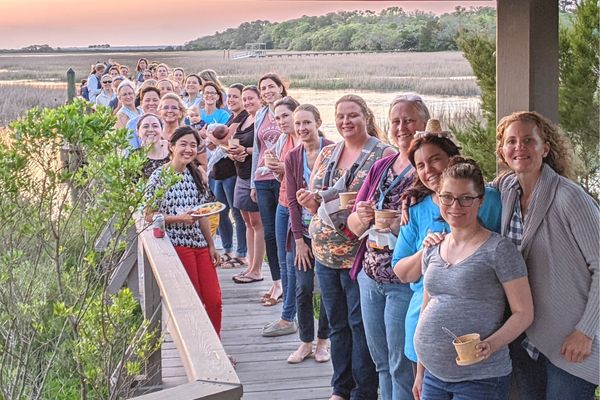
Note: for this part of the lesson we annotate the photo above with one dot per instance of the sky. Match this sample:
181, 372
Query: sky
66, 23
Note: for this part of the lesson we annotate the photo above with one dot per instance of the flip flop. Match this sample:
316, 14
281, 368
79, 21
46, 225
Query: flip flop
226, 257
246, 279
233, 262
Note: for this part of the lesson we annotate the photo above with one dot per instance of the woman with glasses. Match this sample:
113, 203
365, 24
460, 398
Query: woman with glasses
172, 111
554, 223
107, 94
212, 113
383, 298
469, 278
127, 111
209, 75
429, 154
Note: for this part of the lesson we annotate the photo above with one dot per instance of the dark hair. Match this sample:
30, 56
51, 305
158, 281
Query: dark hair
137, 66
217, 89
252, 88
288, 102
147, 115
237, 86
460, 167
190, 76
193, 166
275, 78
418, 191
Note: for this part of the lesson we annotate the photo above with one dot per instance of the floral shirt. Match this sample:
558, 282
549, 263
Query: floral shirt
329, 247
377, 263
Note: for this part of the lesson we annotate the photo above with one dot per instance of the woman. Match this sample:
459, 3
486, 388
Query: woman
93, 82
179, 76
172, 111
340, 168
429, 154
554, 223
284, 117
127, 111
213, 101
383, 298
124, 71
264, 185
242, 155
162, 72
469, 279
107, 94
192, 88
223, 175
209, 75
189, 235
165, 86
298, 167
149, 101
140, 67
149, 127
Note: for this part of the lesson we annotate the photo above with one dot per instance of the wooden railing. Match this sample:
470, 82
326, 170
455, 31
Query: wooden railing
162, 282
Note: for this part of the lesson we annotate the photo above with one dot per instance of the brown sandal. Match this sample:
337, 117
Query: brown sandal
271, 301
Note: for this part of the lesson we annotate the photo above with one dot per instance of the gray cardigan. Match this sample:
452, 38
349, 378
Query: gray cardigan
560, 247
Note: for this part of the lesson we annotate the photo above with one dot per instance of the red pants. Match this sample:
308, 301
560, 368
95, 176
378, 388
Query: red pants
203, 274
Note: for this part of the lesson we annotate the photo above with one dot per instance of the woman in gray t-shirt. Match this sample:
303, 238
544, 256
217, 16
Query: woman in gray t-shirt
467, 278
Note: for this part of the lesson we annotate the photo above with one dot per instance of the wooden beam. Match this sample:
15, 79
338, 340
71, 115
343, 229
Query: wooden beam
527, 57
195, 391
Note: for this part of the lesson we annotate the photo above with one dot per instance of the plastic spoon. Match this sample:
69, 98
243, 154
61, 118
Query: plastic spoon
452, 335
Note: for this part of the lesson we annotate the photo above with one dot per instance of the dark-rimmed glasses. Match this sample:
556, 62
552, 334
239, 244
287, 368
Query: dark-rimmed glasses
463, 201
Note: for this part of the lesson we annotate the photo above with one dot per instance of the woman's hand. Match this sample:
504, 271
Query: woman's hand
307, 199
304, 256
253, 195
576, 347
484, 350
276, 166
214, 255
365, 212
433, 239
187, 218
418, 384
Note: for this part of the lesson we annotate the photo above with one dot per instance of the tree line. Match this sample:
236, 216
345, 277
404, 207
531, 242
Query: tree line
390, 29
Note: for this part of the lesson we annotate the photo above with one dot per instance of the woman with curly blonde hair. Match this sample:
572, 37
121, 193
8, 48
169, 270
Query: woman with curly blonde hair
554, 223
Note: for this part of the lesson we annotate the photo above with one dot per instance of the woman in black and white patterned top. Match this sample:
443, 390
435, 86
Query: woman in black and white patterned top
189, 235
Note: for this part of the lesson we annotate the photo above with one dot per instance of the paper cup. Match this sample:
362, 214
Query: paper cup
345, 197
466, 349
382, 218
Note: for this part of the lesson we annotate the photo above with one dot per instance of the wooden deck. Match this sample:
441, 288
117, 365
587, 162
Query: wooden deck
261, 362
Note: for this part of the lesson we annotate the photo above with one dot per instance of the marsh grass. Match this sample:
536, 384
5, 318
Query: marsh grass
428, 73
16, 99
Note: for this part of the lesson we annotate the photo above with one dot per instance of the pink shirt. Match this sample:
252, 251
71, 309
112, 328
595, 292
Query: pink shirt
268, 134
289, 145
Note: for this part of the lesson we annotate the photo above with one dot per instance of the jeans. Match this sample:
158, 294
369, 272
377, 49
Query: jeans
384, 307
223, 191
305, 285
480, 389
354, 374
267, 196
286, 264
542, 380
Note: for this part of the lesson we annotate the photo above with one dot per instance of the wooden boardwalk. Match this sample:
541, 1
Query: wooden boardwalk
261, 362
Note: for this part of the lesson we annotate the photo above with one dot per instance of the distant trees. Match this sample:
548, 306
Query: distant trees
391, 29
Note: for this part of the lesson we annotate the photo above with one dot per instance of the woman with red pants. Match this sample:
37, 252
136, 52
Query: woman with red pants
190, 235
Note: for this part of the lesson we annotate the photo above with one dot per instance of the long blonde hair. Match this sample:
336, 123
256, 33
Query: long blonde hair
372, 128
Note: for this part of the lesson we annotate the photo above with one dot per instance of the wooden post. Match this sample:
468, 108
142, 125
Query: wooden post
71, 92
151, 307
527, 57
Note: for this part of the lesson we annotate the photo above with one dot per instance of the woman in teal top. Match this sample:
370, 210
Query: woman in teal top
429, 153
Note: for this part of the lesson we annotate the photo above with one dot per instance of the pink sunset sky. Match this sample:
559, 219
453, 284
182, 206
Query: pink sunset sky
64, 23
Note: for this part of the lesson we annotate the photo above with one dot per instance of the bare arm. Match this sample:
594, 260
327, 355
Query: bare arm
408, 269
518, 294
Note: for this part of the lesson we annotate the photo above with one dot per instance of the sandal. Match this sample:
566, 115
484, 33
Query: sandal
271, 301
233, 262
226, 257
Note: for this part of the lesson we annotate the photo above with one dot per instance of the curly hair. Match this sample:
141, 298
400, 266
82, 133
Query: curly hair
372, 128
560, 156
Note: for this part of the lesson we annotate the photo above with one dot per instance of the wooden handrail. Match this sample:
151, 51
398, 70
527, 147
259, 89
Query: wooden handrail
205, 362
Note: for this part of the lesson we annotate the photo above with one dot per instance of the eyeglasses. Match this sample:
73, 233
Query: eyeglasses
106, 81
210, 93
463, 201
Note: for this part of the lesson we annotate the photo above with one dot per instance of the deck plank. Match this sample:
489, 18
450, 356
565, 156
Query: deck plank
261, 362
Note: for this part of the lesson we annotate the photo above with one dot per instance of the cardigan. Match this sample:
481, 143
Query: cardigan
366, 192
294, 181
560, 247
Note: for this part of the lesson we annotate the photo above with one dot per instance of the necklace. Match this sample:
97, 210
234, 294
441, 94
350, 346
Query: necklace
474, 239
